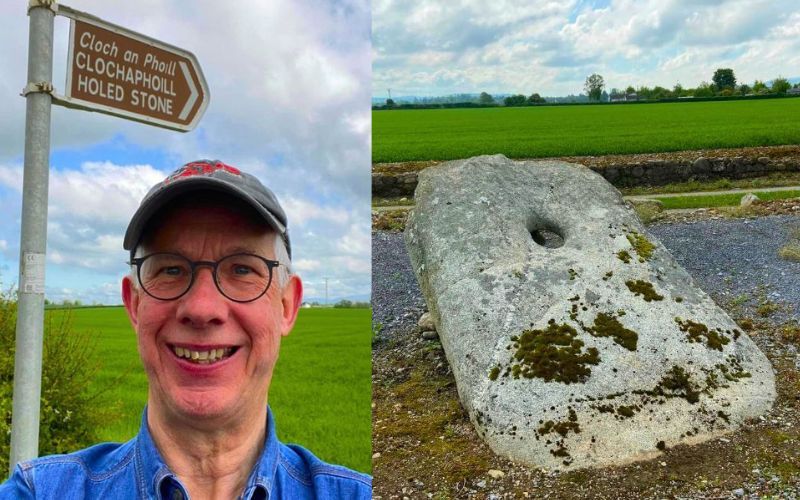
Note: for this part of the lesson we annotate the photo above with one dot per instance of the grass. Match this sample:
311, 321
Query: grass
791, 250
536, 132
720, 200
389, 220
397, 201
321, 390
778, 179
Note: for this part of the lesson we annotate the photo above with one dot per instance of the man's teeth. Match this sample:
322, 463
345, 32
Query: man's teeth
203, 357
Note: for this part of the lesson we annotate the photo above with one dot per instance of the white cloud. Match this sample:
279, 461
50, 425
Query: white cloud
353, 264
101, 191
356, 242
300, 211
550, 47
301, 265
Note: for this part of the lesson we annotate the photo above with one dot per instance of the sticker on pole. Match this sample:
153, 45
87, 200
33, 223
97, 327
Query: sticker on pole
113, 70
33, 265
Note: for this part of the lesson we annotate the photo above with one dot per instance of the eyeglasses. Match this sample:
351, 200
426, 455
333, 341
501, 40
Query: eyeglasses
240, 277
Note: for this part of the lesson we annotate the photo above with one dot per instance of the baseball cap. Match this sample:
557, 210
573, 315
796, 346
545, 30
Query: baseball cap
208, 175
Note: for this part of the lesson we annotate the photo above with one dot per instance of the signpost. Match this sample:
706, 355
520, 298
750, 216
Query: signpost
113, 70
110, 70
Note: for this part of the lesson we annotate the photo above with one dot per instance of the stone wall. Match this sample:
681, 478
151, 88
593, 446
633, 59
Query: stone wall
651, 172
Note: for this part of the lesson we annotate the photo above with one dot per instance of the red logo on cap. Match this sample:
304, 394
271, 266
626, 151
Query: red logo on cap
201, 168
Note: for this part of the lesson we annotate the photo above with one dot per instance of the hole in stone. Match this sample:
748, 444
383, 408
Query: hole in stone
547, 238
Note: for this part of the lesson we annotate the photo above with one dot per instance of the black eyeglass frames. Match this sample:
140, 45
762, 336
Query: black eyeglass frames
241, 277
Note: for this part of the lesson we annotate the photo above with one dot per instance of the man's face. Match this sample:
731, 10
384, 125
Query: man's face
203, 320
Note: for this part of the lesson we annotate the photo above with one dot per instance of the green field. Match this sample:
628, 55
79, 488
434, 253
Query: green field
536, 132
320, 393
720, 200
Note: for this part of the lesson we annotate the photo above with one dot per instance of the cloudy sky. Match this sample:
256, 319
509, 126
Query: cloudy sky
433, 47
289, 83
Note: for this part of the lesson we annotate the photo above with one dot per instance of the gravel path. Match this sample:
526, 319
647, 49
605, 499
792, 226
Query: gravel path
397, 301
734, 260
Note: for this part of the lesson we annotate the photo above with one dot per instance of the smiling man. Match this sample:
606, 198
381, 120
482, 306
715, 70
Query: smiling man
210, 296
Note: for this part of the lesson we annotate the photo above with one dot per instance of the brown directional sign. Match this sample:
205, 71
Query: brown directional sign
116, 71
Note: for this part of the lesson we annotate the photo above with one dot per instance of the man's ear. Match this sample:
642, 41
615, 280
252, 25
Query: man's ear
291, 299
130, 297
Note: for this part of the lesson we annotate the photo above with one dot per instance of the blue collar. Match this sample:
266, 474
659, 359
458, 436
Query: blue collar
164, 484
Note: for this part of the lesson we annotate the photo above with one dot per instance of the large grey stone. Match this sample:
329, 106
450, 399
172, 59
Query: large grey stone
588, 348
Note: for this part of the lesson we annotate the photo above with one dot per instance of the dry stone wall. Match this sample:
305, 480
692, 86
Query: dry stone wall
629, 174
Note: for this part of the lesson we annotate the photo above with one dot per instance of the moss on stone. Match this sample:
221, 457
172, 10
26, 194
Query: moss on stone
494, 373
645, 289
698, 332
572, 274
643, 247
626, 411
679, 383
606, 325
624, 256
734, 374
562, 428
553, 354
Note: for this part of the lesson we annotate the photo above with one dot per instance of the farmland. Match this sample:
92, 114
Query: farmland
552, 131
320, 394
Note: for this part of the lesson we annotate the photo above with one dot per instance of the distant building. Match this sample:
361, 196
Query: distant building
623, 97
793, 91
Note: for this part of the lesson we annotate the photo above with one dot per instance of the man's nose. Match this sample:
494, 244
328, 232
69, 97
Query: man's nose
203, 305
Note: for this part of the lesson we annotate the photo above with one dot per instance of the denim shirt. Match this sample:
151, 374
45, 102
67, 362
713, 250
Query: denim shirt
136, 470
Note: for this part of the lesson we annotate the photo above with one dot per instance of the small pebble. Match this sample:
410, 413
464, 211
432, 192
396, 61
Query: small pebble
430, 335
739, 492
376, 455
496, 474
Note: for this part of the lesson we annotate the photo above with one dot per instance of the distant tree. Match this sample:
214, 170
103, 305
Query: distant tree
389, 103
630, 90
604, 96
780, 85
726, 92
759, 87
535, 99
744, 89
349, 304
704, 90
594, 86
515, 100
724, 79
644, 92
485, 98
659, 93
677, 90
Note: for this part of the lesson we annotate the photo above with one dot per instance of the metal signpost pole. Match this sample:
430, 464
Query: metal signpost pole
30, 313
